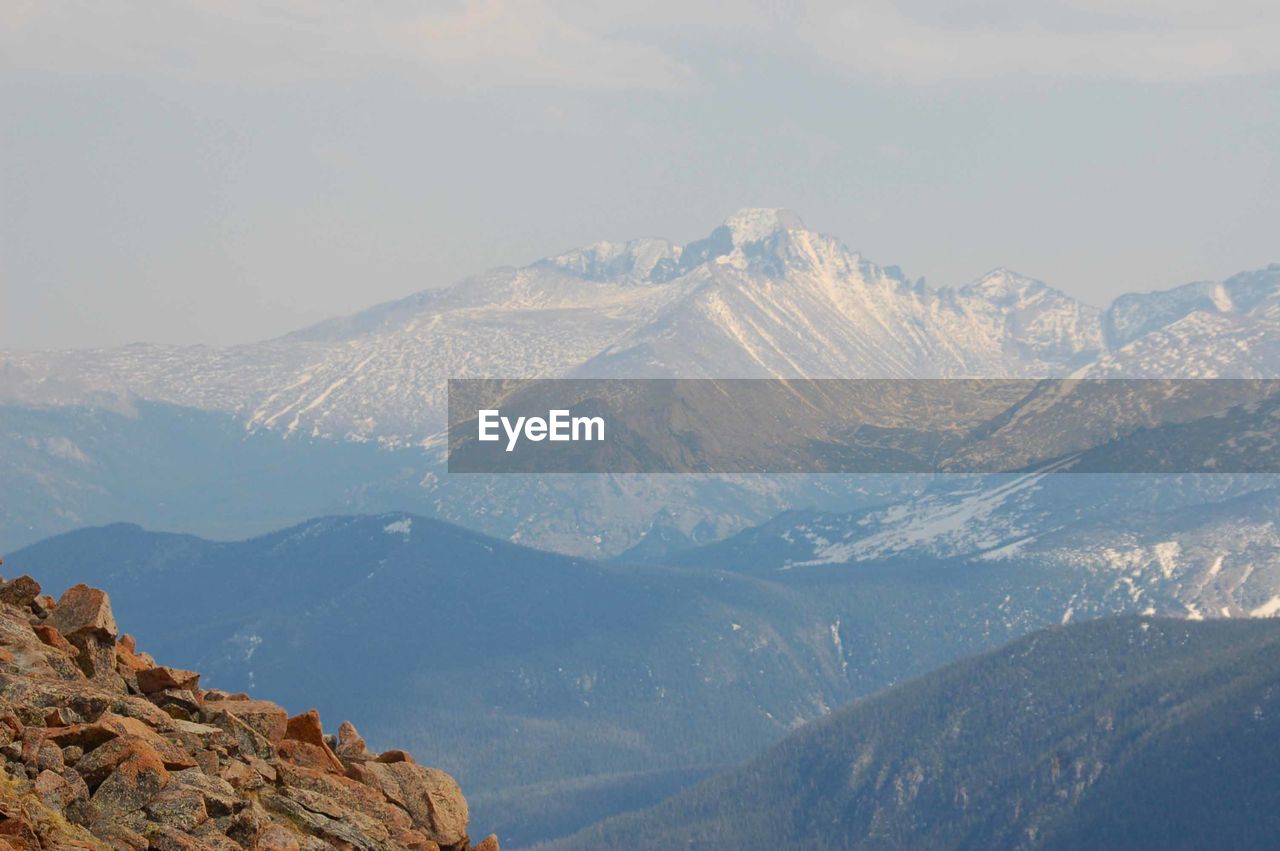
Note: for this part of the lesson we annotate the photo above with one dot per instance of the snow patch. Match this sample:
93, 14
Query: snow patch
400, 527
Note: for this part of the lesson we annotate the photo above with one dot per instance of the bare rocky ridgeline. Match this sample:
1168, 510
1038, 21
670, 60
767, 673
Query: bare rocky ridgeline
103, 748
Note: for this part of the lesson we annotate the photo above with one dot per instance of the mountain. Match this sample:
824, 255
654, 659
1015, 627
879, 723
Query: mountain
105, 749
562, 690
1121, 733
1195, 545
760, 296
526, 674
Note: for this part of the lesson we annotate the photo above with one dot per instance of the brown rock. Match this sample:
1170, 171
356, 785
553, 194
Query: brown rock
265, 769
364, 804
179, 806
215, 839
308, 755
245, 828
83, 610
241, 777
17, 830
59, 716
331, 832
305, 728
151, 680
121, 838
49, 758
208, 761
135, 783
110, 726
128, 659
244, 741
20, 592
85, 736
268, 719
194, 736
350, 743
219, 797
275, 838
219, 694
417, 841
53, 789
50, 636
166, 838
430, 796
144, 710
181, 704
11, 727
97, 765
489, 843
393, 756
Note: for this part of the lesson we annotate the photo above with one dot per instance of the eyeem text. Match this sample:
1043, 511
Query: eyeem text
558, 425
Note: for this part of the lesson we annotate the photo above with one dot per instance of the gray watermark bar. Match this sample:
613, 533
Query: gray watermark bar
1062, 425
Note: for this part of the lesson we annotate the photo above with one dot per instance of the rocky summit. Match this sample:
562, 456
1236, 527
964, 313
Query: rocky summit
104, 748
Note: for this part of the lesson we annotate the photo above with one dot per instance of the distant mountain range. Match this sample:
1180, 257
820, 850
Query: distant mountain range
760, 296
1130, 733
561, 690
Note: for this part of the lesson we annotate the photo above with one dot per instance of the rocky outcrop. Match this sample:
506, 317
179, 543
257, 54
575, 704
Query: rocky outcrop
103, 748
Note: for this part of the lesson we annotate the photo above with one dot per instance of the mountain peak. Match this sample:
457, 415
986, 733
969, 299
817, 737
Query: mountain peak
1002, 280
752, 224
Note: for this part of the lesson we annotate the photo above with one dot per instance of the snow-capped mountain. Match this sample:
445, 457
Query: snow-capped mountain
1192, 545
760, 296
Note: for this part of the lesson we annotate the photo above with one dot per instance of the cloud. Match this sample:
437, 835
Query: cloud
632, 45
1137, 40
469, 45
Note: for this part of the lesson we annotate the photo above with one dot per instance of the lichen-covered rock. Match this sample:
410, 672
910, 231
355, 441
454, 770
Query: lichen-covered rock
84, 611
21, 592
103, 749
430, 796
265, 718
161, 677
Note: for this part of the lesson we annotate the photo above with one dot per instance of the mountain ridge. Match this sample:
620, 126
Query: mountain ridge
1120, 733
760, 296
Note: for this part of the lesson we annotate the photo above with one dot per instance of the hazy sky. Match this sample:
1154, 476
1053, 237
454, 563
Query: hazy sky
221, 171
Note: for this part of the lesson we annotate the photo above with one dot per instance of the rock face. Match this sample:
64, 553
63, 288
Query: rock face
102, 748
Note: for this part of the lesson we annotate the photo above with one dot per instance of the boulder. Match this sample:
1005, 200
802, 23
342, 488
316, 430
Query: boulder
82, 610
219, 797
51, 637
167, 838
268, 719
350, 743
178, 806
276, 838
20, 592
135, 782
83, 616
160, 678
53, 790
97, 765
305, 754
430, 796
305, 728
